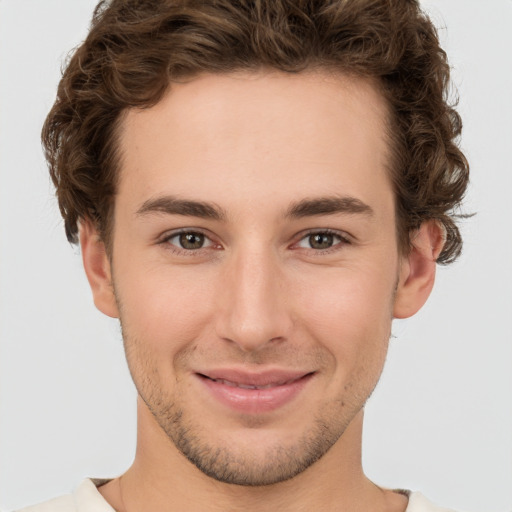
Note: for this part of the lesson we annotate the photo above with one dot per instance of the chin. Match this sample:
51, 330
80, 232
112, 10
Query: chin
253, 454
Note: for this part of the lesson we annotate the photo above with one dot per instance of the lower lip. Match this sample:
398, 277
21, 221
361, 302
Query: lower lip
255, 401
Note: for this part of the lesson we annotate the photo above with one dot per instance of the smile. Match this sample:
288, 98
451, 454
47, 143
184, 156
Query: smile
254, 393
251, 386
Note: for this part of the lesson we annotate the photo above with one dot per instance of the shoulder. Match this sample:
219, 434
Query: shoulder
418, 503
85, 498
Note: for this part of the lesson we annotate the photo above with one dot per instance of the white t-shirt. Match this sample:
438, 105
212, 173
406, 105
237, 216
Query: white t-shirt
86, 498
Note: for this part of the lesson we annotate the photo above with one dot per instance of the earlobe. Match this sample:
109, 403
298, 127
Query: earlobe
418, 269
97, 268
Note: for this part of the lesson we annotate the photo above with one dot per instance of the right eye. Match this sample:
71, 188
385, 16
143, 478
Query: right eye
188, 241
321, 240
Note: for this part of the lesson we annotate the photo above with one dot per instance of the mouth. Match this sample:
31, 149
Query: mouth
254, 393
250, 386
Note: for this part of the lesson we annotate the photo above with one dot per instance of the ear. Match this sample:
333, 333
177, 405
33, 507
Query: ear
97, 268
418, 269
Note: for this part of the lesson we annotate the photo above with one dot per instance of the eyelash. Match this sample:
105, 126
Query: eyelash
176, 249
165, 241
343, 240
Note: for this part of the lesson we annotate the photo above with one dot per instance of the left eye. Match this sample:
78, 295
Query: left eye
320, 241
190, 240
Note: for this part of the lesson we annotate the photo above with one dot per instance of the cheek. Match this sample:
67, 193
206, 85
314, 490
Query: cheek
163, 304
350, 313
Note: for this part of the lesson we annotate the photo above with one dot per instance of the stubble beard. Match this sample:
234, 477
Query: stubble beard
218, 459
228, 465
223, 460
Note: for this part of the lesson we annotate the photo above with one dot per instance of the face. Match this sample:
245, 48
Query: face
255, 266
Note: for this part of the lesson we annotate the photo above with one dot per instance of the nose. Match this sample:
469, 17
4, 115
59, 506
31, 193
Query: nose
254, 301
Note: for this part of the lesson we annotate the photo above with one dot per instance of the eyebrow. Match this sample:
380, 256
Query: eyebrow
172, 205
329, 206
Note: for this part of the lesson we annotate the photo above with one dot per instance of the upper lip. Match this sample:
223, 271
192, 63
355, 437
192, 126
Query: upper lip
271, 377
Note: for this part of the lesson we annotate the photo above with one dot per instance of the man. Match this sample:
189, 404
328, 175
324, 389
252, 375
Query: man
258, 189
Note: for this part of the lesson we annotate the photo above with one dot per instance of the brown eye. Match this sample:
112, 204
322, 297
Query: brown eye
191, 241
321, 240
188, 242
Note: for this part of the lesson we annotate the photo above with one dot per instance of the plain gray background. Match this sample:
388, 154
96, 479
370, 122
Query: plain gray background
441, 418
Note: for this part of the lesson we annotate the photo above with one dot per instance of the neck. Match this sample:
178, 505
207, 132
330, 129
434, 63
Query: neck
161, 479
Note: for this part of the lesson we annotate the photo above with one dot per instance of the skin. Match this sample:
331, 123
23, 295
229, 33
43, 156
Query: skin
259, 293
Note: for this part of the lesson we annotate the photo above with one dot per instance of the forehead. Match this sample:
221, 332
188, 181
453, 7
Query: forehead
257, 136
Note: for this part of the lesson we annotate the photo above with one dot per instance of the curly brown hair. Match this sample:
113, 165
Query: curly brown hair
135, 49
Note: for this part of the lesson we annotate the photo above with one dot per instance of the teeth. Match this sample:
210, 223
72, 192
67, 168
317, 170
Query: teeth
248, 386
